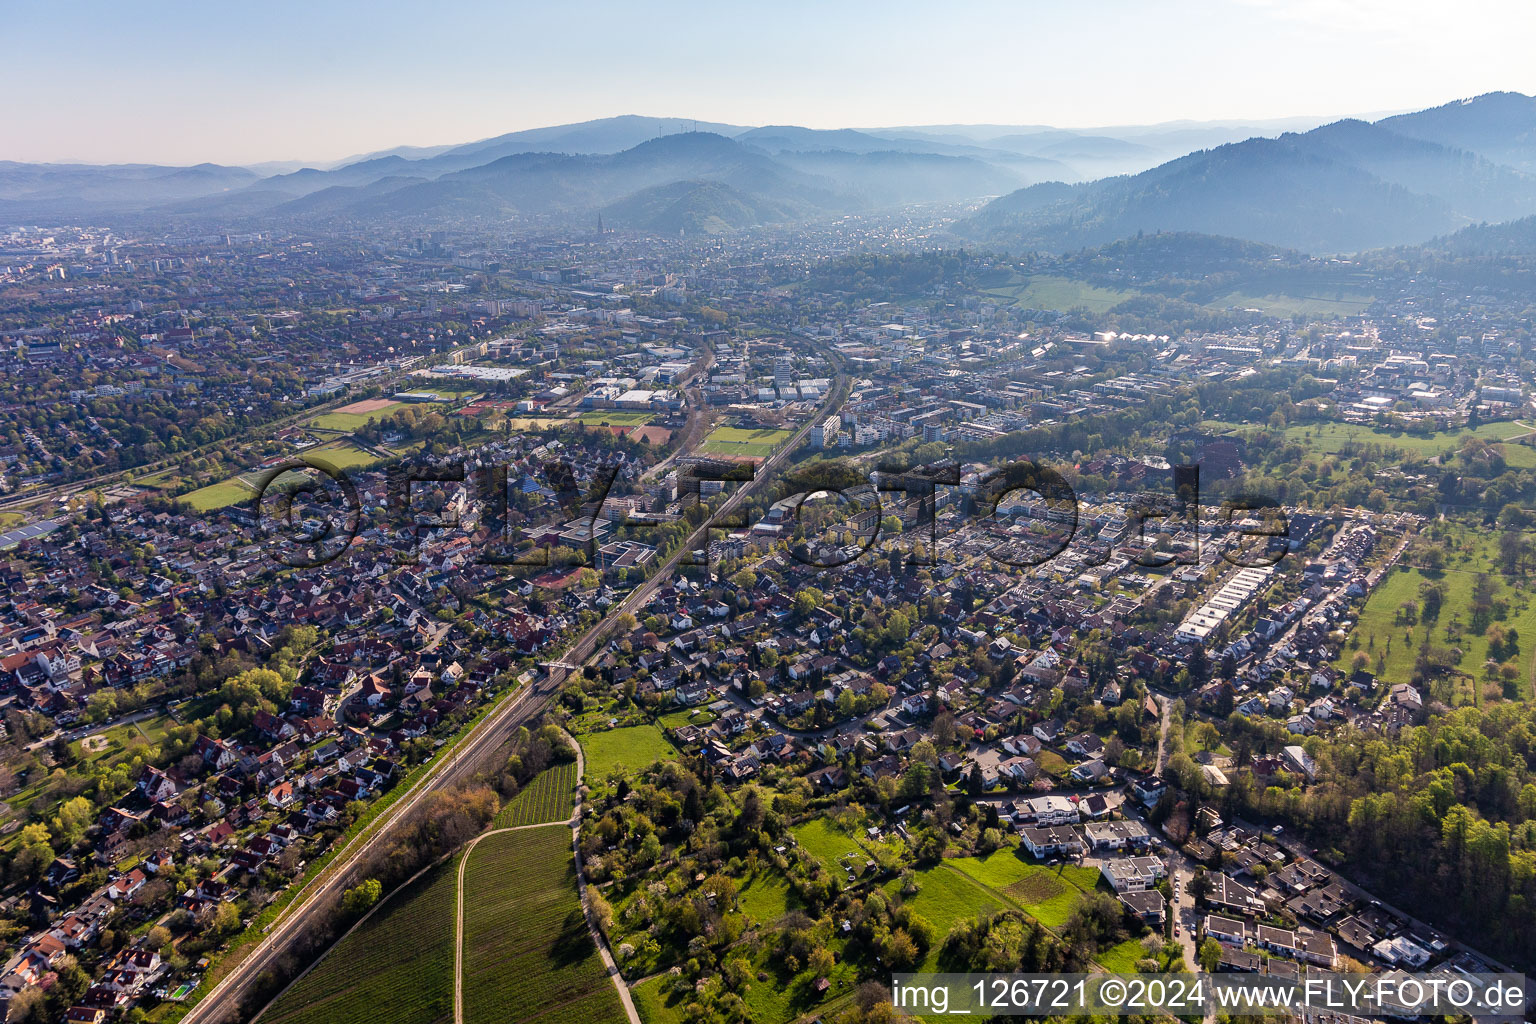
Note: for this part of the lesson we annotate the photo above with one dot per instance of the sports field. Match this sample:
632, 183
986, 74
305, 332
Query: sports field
615, 417
740, 441
337, 455
350, 417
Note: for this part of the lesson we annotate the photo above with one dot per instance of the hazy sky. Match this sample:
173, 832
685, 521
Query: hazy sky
174, 82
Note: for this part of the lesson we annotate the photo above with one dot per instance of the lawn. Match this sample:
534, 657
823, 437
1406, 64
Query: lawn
395, 969
533, 422
650, 998
628, 749
548, 797
1519, 456
692, 716
739, 441
220, 495
1330, 438
1122, 959
1054, 764
527, 953
945, 897
764, 897
780, 999
1046, 291
1392, 646
121, 737
615, 418
1048, 894
828, 844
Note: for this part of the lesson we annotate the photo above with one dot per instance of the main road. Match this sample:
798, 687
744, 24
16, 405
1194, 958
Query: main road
464, 761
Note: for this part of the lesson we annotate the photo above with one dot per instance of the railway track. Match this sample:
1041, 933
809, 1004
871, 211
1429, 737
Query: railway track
467, 758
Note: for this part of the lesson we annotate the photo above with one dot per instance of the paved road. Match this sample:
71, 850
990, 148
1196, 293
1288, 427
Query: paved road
1297, 847
455, 767
495, 729
61, 493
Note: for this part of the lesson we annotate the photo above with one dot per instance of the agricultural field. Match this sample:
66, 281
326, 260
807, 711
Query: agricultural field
626, 749
528, 956
615, 417
350, 417
1391, 641
740, 441
341, 455
548, 797
336, 455
1046, 291
397, 968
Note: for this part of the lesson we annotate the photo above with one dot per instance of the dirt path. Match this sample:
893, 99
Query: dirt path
458, 924
1162, 733
586, 906
574, 821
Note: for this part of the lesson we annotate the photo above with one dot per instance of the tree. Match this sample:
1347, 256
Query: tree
975, 783
944, 730
1209, 955
223, 920
356, 901
901, 952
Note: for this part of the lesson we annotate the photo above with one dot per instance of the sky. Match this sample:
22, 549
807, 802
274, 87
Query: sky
170, 82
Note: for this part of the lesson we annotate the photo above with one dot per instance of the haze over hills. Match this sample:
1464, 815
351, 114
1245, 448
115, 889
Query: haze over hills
1499, 126
1016, 155
1343, 186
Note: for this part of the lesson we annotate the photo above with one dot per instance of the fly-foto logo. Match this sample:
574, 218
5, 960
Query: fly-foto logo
309, 512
